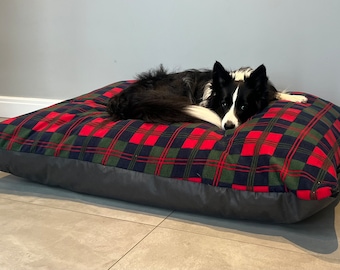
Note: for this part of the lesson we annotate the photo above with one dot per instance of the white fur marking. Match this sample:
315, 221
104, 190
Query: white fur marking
204, 114
292, 98
207, 91
241, 74
230, 116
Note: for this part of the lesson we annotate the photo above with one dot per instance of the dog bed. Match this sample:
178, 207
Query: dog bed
280, 166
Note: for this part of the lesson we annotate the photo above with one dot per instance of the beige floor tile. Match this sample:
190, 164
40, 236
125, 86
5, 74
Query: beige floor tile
18, 189
38, 237
49, 228
318, 235
172, 249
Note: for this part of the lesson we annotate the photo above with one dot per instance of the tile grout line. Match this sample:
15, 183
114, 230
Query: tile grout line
245, 242
234, 240
80, 212
133, 247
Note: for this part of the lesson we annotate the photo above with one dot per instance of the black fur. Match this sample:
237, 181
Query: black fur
161, 97
254, 94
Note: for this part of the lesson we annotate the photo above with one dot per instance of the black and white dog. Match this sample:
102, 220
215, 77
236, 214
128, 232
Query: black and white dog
225, 99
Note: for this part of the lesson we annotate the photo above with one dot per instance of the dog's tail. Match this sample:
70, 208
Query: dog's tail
204, 114
159, 107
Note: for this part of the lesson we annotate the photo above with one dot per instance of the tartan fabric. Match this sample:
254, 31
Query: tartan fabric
288, 147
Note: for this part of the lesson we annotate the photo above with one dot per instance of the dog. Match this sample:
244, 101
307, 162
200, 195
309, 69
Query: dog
225, 99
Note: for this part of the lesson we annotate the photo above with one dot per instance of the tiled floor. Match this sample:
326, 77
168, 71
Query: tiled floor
50, 228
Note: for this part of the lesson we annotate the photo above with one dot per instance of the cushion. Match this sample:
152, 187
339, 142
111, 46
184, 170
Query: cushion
280, 166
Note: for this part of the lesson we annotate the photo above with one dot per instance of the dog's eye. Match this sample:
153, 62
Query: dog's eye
243, 107
224, 104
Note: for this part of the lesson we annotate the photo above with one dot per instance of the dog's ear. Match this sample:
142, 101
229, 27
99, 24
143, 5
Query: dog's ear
257, 77
221, 77
259, 74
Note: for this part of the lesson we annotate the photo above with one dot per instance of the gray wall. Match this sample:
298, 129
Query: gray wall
63, 48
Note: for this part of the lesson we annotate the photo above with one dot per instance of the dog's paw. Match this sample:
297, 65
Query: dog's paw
292, 98
298, 98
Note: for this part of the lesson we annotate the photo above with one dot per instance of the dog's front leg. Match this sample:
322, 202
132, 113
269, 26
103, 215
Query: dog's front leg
292, 98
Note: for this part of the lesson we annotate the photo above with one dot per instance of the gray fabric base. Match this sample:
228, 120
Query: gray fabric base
110, 182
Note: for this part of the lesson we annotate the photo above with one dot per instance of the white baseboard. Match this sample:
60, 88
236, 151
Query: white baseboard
14, 106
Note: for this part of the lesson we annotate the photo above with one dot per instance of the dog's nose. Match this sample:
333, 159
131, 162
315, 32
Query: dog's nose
229, 125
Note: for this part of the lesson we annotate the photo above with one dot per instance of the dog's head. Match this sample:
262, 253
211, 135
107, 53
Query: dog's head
236, 96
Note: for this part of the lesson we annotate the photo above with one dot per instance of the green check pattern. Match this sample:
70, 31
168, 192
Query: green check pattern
289, 147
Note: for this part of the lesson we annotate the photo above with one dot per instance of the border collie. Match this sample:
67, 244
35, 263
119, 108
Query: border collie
225, 99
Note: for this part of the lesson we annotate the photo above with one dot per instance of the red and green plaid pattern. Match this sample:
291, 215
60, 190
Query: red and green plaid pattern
286, 148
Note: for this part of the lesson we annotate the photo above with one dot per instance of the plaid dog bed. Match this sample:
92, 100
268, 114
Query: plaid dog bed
281, 166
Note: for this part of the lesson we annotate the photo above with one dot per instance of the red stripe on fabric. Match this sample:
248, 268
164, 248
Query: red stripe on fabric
136, 138
268, 146
290, 114
144, 136
198, 132
330, 137
195, 179
208, 144
332, 171
61, 120
53, 121
112, 92
248, 149
114, 140
267, 149
222, 161
271, 113
92, 104
300, 138
167, 148
18, 128
97, 127
8, 121
324, 192
74, 125
332, 140
189, 143
151, 140
206, 139
239, 187
319, 194
270, 143
317, 158
303, 194
261, 188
